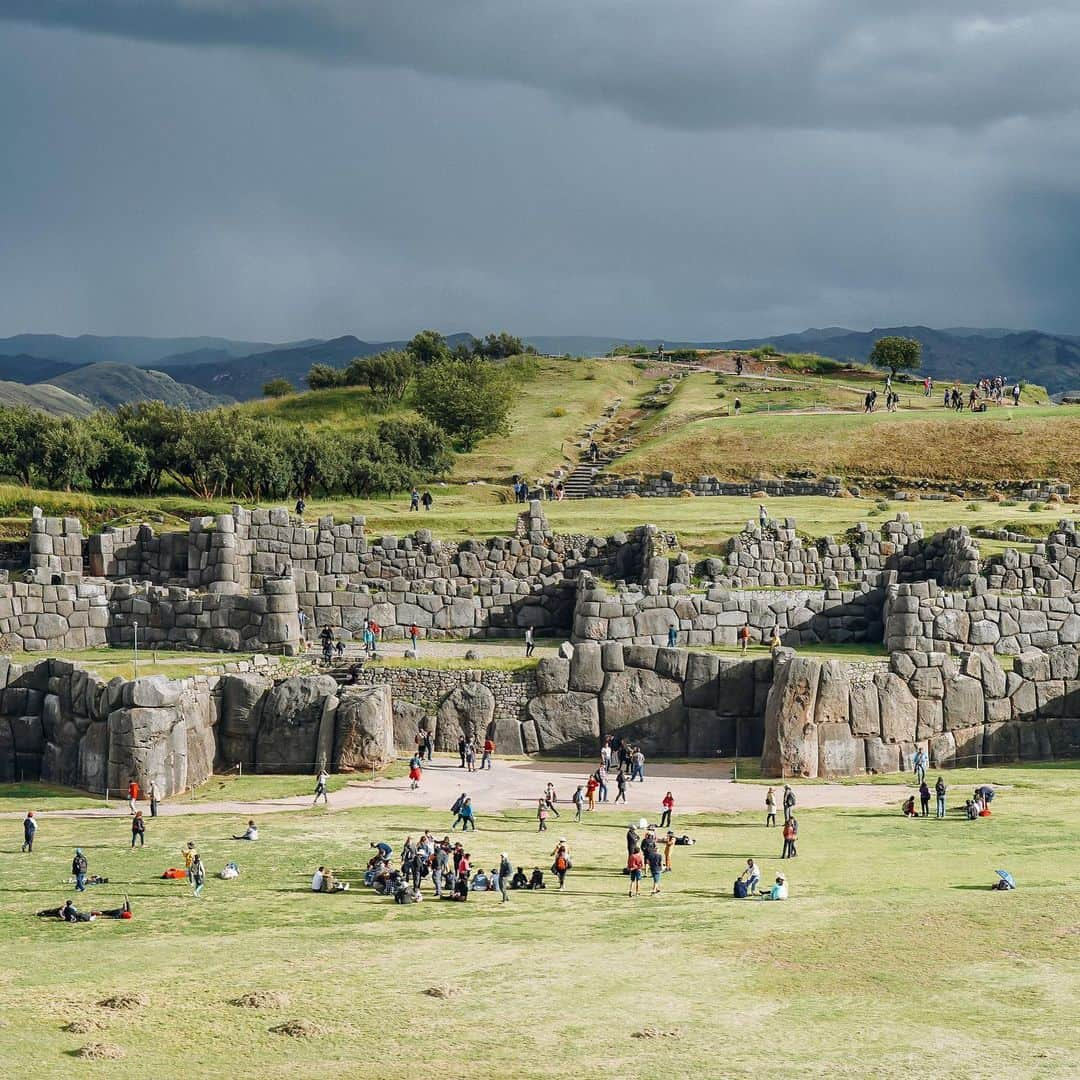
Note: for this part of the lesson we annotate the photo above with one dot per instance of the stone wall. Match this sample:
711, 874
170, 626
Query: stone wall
56, 545
665, 486
825, 719
62, 724
136, 551
90, 613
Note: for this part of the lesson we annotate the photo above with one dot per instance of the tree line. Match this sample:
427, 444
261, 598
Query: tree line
220, 453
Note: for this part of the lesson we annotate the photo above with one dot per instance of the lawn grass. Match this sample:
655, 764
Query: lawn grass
891, 958
111, 662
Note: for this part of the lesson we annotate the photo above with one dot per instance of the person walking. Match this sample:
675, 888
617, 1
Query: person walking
467, 815
789, 802
530, 643
414, 633
455, 808
551, 798
672, 636
918, 765
133, 795
190, 855
939, 791
668, 805
924, 798
591, 786
770, 808
506, 871
138, 830
485, 758
320, 788
561, 864
462, 745
638, 770
426, 500
470, 757
198, 874
414, 501
416, 772
29, 831
635, 863
541, 815
579, 802
601, 783
789, 839
744, 636
153, 799
620, 785
79, 867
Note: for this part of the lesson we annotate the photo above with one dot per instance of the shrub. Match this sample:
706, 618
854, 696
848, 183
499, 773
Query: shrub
974, 507
1035, 507
1009, 502
277, 388
558, 411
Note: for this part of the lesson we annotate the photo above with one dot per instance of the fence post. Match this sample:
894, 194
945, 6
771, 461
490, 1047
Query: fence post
977, 761
240, 770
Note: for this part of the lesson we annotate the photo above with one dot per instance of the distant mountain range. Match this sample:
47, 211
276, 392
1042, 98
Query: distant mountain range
200, 372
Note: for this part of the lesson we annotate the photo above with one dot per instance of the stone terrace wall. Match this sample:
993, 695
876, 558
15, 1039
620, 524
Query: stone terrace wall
56, 545
823, 720
1052, 567
665, 486
62, 724
135, 551
803, 616
922, 617
89, 613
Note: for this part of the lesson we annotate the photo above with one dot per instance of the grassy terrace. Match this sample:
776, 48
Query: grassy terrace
892, 956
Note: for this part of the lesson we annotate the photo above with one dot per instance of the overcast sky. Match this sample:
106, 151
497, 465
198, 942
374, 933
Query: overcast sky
278, 169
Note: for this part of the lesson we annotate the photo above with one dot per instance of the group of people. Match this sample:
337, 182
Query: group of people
448, 866
416, 500
646, 853
470, 749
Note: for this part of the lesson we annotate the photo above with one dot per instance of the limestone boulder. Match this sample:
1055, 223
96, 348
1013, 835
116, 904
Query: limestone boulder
553, 675
700, 683
963, 705
864, 711
408, 718
899, 710
645, 708
467, 710
737, 682
364, 729
288, 734
586, 668
881, 757
563, 721
93, 757
198, 713
839, 752
833, 696
148, 746
791, 743
507, 736
155, 692
242, 698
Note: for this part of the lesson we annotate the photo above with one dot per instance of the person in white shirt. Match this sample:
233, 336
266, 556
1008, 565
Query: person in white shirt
317, 879
752, 875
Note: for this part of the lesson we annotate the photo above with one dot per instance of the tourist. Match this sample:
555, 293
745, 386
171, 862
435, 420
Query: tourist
738, 407
620, 785
505, 872
470, 757
779, 890
551, 798
774, 640
794, 837
751, 875
369, 640
763, 516
638, 770
635, 863
789, 801
908, 809
138, 830
591, 786
541, 815
133, 795
668, 804
414, 633
318, 879
789, 839
672, 636
198, 874
414, 501
301, 506
601, 783
939, 791
918, 764
467, 816
250, 833
429, 744
455, 808
416, 772
339, 648
29, 829
605, 753
462, 746
669, 844
426, 500
320, 788
487, 751
632, 840
656, 868
79, 867
519, 880
744, 636
770, 807
578, 799
561, 863
153, 799
924, 798
530, 644
382, 848
189, 853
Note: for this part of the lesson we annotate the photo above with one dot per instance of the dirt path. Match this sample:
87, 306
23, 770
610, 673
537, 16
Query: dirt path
697, 787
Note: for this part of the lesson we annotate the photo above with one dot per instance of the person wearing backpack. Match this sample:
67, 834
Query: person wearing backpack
455, 808
578, 800
78, 868
561, 863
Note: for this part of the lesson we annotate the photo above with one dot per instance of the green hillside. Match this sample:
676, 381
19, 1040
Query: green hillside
44, 396
110, 384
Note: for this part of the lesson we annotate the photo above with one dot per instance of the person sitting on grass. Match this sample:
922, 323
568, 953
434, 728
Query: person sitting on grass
519, 880
479, 882
323, 881
778, 890
250, 833
909, 807
536, 881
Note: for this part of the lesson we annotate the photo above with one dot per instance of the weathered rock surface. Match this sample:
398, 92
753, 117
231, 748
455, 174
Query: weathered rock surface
364, 736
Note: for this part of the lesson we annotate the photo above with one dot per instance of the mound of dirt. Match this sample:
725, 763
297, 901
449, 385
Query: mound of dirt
299, 1029
261, 999
444, 990
125, 1001
101, 1052
82, 1027
658, 1033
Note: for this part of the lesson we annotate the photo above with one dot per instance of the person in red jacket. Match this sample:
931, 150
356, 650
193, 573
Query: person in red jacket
668, 804
590, 792
489, 749
133, 795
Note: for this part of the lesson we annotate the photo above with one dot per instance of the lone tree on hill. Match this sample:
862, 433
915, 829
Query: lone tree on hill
323, 377
278, 388
427, 347
896, 354
468, 400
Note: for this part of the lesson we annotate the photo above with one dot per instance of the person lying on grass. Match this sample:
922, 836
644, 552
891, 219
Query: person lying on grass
67, 912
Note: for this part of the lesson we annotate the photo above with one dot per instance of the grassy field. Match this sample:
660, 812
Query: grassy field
892, 957
110, 662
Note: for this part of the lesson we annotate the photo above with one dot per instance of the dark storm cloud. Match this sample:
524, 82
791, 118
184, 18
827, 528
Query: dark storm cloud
705, 64
280, 170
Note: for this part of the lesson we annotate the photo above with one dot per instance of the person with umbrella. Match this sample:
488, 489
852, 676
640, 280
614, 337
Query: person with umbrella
1004, 882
